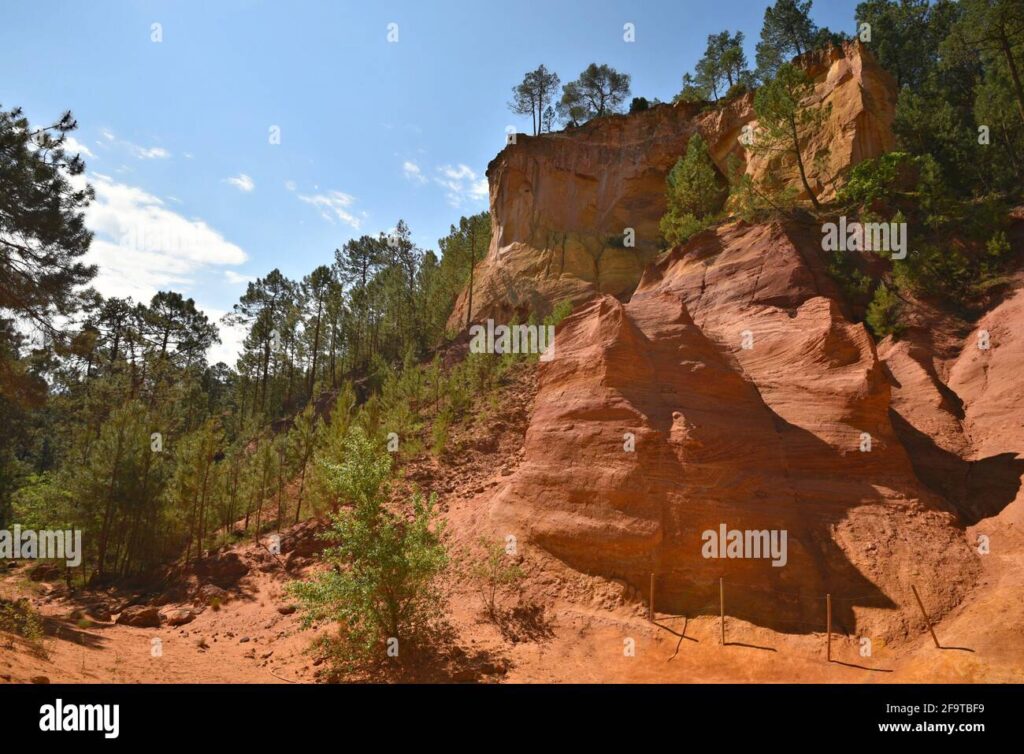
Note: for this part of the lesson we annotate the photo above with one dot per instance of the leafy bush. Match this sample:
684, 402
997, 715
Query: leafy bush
383, 584
877, 179
21, 619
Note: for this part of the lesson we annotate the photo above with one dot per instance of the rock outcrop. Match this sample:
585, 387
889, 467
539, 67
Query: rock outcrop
561, 203
732, 390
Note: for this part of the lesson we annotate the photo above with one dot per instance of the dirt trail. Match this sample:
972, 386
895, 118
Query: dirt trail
248, 641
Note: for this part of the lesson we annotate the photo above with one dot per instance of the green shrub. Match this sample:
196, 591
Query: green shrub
496, 574
439, 431
694, 193
883, 315
879, 178
383, 584
21, 619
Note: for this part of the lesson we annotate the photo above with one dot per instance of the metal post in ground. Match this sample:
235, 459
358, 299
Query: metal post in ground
927, 620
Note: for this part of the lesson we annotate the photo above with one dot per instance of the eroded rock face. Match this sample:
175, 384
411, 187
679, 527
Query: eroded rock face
755, 404
561, 203
957, 400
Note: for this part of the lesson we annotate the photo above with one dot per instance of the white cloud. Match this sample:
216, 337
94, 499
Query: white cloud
149, 153
242, 182
231, 338
142, 153
333, 204
141, 246
74, 146
412, 172
290, 185
461, 184
235, 278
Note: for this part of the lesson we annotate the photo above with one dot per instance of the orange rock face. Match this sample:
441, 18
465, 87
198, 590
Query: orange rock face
730, 391
563, 204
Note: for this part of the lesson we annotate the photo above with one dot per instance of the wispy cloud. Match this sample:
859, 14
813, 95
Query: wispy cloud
148, 153
461, 184
137, 151
333, 205
242, 182
412, 172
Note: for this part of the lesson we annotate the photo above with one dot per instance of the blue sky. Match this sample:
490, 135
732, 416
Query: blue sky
176, 134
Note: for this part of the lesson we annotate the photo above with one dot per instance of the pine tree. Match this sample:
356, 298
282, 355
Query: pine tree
695, 192
782, 119
788, 30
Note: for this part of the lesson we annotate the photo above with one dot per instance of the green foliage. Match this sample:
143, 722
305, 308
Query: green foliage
439, 431
535, 97
461, 250
560, 311
600, 90
693, 91
384, 584
753, 201
787, 31
639, 105
724, 64
20, 619
782, 118
496, 574
905, 37
883, 313
694, 195
843, 268
42, 224
997, 250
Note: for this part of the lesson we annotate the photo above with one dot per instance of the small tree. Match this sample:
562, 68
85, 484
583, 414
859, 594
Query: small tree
534, 97
639, 105
724, 62
496, 574
694, 193
383, 585
884, 311
781, 119
598, 91
302, 442
693, 90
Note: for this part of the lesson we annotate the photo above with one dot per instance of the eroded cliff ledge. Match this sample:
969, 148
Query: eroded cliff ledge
560, 203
